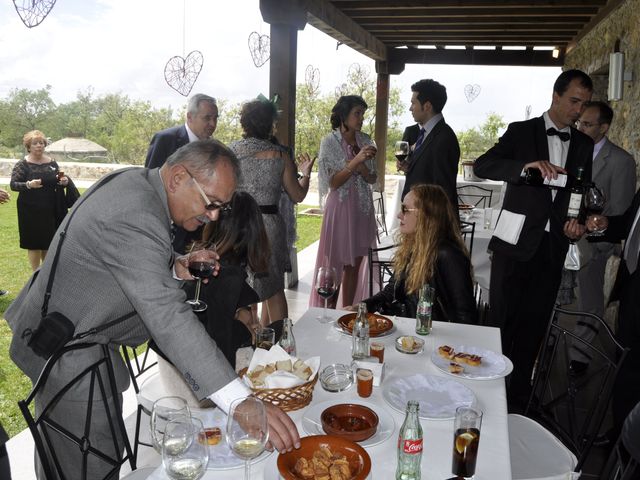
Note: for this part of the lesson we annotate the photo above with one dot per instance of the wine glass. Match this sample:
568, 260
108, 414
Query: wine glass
185, 451
326, 284
200, 266
247, 430
401, 150
595, 202
165, 410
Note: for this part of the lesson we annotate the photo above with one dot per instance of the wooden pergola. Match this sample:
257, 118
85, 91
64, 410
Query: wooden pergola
396, 32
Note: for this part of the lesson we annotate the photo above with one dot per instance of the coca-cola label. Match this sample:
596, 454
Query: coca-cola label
412, 446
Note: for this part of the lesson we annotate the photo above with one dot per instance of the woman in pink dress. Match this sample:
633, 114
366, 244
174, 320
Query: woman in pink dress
346, 171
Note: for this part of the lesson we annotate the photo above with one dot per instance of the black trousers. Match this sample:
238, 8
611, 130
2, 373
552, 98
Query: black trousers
522, 296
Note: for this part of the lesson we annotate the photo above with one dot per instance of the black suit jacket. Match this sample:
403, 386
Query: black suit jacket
436, 161
525, 142
164, 143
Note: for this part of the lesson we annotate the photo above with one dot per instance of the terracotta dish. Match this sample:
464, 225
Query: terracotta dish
359, 460
378, 325
349, 420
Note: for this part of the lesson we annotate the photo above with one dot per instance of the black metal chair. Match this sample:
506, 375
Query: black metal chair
380, 214
138, 365
624, 460
473, 195
48, 432
381, 270
468, 231
571, 407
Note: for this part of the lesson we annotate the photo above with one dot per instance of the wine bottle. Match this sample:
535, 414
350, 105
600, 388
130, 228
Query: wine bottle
534, 177
576, 209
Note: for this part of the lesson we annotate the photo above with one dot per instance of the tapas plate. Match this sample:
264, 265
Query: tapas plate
378, 325
493, 365
409, 344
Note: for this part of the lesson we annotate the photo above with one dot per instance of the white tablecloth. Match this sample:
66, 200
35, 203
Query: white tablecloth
314, 338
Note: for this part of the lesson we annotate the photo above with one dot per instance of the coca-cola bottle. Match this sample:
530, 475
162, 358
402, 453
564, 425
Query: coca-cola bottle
410, 445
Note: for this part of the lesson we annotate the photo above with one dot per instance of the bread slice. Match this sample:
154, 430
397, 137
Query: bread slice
284, 365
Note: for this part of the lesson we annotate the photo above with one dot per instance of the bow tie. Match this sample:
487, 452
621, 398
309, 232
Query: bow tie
564, 136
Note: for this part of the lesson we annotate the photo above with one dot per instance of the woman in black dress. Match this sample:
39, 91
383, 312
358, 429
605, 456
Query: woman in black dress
41, 202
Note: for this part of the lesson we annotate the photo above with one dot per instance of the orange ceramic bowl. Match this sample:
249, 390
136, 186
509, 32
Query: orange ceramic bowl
359, 460
349, 420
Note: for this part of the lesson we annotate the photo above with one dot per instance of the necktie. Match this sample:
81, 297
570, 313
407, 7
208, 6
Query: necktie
632, 249
419, 140
564, 136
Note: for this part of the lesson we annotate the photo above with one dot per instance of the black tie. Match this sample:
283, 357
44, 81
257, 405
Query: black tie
564, 136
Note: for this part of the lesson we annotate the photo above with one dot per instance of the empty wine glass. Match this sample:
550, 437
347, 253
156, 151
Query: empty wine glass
401, 150
326, 285
165, 410
200, 266
185, 451
595, 202
247, 430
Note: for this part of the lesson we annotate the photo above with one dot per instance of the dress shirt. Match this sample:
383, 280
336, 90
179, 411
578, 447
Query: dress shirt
429, 124
558, 150
192, 136
598, 146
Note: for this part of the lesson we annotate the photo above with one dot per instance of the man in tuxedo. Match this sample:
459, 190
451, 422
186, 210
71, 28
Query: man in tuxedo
202, 119
117, 259
532, 235
434, 146
626, 390
614, 173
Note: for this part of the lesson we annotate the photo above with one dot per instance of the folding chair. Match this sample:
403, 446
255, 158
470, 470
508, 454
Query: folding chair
379, 210
380, 269
565, 411
48, 431
468, 231
624, 460
477, 196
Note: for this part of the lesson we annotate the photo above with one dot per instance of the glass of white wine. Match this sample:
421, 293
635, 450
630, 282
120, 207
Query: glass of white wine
185, 451
164, 410
247, 430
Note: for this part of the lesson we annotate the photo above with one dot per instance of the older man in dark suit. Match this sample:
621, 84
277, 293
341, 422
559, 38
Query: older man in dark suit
532, 235
434, 146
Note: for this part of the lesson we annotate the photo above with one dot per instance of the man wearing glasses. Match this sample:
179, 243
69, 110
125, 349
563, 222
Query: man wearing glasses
117, 258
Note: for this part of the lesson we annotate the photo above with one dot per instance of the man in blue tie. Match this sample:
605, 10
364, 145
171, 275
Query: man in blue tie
434, 146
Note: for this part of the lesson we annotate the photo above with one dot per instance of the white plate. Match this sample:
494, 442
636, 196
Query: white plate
385, 334
494, 365
438, 396
386, 426
220, 456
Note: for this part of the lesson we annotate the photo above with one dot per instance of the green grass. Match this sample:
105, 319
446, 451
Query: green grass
15, 271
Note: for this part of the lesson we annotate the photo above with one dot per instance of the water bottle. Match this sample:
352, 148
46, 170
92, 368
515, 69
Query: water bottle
410, 444
287, 341
360, 334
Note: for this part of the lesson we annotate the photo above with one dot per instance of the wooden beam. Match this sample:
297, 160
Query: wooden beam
526, 58
328, 19
450, 20
454, 4
611, 6
497, 27
471, 12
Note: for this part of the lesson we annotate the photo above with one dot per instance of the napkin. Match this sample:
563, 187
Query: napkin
509, 226
279, 379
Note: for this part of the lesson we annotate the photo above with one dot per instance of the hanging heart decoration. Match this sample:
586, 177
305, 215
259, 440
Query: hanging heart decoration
471, 92
33, 12
527, 112
259, 47
341, 90
312, 79
181, 73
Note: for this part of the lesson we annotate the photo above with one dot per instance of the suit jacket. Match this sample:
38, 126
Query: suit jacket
436, 161
614, 172
116, 259
164, 143
525, 142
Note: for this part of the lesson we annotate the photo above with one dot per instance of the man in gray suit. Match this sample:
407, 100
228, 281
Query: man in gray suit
614, 173
117, 258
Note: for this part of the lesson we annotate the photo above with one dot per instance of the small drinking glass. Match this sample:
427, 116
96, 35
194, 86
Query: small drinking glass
247, 430
364, 379
376, 349
265, 338
488, 217
185, 451
326, 285
466, 438
165, 410
200, 266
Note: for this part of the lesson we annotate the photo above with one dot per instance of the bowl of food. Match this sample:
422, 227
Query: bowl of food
409, 344
378, 324
333, 457
349, 420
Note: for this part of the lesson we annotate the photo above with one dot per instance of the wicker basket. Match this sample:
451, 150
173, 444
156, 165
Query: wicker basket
288, 399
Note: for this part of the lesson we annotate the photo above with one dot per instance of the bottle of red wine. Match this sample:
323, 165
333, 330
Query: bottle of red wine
576, 204
534, 177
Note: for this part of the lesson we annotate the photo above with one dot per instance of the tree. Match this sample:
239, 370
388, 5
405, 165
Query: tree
477, 140
24, 110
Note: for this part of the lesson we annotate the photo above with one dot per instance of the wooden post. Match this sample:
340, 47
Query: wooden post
282, 79
382, 118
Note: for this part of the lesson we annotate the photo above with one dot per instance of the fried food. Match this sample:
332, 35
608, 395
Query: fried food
455, 368
324, 465
446, 351
459, 357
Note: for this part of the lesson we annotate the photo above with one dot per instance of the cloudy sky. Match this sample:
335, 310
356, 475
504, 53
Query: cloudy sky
123, 46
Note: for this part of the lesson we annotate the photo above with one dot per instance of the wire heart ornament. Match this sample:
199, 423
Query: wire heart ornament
181, 73
33, 12
260, 48
471, 92
312, 79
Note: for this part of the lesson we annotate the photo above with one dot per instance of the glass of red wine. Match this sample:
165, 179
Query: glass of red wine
401, 151
594, 203
200, 266
326, 285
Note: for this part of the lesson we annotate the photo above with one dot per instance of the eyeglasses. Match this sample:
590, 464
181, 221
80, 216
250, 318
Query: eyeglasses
404, 209
587, 124
208, 204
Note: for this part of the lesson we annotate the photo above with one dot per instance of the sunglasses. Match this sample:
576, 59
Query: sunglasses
404, 209
208, 204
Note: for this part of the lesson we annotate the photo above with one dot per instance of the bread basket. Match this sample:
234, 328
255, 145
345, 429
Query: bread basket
287, 399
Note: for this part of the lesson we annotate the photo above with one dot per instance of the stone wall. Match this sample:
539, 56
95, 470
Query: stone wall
592, 56
76, 170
